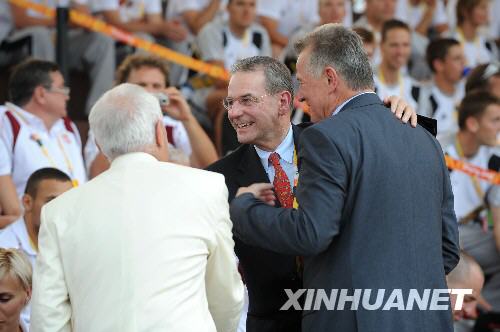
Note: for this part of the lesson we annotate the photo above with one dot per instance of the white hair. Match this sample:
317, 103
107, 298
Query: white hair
123, 120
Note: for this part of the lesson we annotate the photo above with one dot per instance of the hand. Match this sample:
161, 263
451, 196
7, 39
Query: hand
402, 110
262, 191
174, 30
178, 108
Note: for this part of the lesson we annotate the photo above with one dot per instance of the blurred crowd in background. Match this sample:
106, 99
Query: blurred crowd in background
441, 57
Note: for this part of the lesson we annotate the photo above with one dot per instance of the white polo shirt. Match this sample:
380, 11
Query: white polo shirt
403, 89
412, 15
37, 148
475, 51
16, 236
290, 14
446, 111
467, 198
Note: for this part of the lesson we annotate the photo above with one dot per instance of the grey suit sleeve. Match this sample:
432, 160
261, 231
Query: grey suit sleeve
451, 248
321, 192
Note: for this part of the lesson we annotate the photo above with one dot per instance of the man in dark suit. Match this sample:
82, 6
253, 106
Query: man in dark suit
375, 207
259, 106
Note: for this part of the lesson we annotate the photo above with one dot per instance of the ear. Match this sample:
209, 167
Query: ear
438, 65
161, 135
332, 78
28, 296
27, 202
284, 103
39, 95
472, 124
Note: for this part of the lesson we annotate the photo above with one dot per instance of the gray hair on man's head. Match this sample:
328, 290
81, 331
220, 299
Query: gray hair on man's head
277, 76
332, 45
123, 120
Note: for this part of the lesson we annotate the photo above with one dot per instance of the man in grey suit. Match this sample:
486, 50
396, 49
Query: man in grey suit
375, 201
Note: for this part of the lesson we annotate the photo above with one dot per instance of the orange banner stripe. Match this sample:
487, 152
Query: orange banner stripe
472, 170
91, 23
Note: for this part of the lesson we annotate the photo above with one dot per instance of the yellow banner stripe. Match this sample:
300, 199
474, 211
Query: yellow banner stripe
91, 23
473, 170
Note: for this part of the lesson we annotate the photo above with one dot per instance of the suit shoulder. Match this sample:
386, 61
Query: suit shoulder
229, 162
64, 201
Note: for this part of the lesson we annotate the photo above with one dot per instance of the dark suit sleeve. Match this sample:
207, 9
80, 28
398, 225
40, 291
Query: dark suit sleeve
451, 248
321, 192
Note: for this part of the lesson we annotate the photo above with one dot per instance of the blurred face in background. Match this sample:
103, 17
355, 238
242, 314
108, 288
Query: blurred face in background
332, 11
396, 48
480, 13
488, 125
150, 78
46, 191
452, 66
57, 96
242, 13
380, 10
13, 298
475, 282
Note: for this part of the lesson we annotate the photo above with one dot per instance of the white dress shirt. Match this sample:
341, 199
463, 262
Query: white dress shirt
285, 150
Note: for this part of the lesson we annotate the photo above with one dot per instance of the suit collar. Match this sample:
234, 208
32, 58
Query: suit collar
361, 100
134, 157
250, 167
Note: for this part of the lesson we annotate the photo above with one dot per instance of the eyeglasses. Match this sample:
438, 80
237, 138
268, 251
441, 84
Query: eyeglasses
64, 90
492, 69
245, 100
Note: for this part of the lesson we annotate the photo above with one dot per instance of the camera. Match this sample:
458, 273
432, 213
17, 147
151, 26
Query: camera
162, 98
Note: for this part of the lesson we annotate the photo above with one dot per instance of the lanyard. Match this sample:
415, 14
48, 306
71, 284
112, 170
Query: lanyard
32, 244
463, 41
44, 149
295, 178
401, 82
474, 180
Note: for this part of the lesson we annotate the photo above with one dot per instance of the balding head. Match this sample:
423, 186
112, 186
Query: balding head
466, 275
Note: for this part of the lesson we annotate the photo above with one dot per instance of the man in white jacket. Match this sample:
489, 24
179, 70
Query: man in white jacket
146, 245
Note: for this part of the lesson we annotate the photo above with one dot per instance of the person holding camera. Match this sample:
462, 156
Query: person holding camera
192, 145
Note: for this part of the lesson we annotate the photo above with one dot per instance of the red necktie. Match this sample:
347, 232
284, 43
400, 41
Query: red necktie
284, 192
281, 182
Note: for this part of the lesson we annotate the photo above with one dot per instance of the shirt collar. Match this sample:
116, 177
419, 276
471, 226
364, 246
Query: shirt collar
339, 108
21, 232
285, 149
33, 120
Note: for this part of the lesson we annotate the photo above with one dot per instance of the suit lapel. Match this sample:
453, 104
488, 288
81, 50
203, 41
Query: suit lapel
250, 168
297, 130
362, 100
